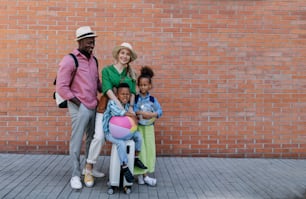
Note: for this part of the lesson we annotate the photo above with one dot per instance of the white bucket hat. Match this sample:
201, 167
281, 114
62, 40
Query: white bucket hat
84, 32
127, 46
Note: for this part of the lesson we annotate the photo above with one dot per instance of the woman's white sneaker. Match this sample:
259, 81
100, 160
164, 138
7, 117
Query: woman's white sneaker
89, 179
150, 181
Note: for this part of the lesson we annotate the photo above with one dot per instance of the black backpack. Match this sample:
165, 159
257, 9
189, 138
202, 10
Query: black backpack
61, 103
151, 99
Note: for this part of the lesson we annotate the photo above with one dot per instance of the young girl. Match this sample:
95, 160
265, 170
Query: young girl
147, 109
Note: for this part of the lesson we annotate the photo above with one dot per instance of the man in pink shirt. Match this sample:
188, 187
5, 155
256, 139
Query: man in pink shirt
80, 86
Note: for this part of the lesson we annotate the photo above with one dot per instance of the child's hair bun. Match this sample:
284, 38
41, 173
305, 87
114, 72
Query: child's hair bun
146, 72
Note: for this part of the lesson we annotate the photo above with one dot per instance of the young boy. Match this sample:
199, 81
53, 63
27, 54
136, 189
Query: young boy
123, 95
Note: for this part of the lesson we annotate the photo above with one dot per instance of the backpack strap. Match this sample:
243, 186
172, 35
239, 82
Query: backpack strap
75, 60
76, 66
152, 99
76, 63
96, 61
136, 98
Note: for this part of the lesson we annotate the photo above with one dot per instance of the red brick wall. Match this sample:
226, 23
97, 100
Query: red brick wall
230, 75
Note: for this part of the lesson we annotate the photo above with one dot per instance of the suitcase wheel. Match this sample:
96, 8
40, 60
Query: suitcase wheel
110, 191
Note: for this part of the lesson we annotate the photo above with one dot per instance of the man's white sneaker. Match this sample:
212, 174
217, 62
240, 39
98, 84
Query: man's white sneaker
150, 181
140, 179
95, 173
75, 182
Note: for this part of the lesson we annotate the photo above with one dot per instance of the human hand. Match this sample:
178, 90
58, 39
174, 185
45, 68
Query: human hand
146, 115
131, 110
133, 116
76, 101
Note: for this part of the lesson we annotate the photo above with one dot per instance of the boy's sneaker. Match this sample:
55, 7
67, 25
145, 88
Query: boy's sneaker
95, 173
127, 174
75, 182
88, 179
150, 181
139, 164
140, 179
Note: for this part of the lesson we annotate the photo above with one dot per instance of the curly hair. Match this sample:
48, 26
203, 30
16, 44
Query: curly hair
146, 72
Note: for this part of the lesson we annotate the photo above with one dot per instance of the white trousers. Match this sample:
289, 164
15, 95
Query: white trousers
97, 141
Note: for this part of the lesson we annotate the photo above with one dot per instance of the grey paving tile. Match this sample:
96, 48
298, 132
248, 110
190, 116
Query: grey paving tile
48, 176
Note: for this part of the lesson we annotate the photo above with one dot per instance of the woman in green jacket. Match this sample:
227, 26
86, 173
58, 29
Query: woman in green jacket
112, 76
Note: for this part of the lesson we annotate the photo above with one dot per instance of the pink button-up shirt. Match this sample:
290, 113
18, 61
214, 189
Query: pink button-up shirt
86, 81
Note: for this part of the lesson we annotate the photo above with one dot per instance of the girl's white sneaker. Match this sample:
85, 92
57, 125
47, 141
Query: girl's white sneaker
140, 179
150, 181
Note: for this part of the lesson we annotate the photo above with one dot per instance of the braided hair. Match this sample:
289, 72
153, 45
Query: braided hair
131, 72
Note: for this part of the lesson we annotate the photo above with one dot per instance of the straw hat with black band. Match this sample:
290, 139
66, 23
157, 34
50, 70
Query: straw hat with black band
84, 32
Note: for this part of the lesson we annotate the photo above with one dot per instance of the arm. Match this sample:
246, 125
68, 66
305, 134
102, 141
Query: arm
99, 86
132, 115
158, 108
114, 109
65, 75
113, 97
133, 94
148, 115
76, 101
132, 103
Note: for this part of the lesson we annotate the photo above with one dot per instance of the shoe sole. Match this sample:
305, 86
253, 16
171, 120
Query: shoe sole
76, 189
151, 185
89, 186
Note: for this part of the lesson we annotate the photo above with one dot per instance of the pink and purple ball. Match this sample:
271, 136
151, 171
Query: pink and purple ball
121, 126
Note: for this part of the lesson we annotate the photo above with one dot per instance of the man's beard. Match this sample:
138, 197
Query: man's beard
84, 52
